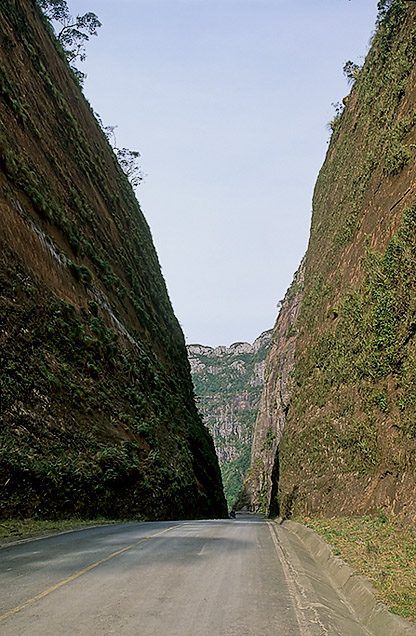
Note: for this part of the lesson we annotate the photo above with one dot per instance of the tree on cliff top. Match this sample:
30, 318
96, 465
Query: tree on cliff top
73, 35
74, 32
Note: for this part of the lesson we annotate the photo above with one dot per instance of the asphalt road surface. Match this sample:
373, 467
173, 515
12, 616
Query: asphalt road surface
243, 577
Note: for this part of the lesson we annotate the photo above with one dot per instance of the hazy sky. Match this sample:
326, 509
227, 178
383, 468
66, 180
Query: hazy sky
228, 102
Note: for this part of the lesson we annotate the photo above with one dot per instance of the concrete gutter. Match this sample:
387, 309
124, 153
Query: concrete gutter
357, 589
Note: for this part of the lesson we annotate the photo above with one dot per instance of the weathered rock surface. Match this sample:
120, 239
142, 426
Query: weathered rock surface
228, 382
97, 408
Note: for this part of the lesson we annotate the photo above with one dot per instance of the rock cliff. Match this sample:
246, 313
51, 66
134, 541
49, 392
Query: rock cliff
228, 382
97, 408
349, 438
259, 491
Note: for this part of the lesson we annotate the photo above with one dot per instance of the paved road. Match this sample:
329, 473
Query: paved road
248, 577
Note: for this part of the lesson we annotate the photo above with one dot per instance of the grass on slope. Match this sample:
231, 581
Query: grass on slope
383, 549
20, 528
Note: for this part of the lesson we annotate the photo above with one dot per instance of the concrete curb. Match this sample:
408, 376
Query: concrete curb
357, 589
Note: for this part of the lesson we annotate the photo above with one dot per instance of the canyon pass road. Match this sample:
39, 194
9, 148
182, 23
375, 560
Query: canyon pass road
243, 577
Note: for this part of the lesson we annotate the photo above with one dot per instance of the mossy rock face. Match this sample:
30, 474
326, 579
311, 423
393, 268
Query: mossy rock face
97, 407
349, 439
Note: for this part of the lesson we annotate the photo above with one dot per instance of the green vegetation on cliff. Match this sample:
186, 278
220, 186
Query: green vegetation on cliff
97, 407
350, 437
340, 386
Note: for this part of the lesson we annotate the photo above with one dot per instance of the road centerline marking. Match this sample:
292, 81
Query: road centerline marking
76, 575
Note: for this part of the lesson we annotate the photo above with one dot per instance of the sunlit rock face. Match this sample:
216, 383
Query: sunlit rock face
228, 382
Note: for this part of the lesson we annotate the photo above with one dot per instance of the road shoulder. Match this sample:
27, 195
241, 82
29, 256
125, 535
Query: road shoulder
357, 590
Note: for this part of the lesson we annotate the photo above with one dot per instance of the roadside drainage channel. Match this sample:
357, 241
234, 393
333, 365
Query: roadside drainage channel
358, 591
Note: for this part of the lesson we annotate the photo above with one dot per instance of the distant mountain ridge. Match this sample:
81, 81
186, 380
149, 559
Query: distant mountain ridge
228, 383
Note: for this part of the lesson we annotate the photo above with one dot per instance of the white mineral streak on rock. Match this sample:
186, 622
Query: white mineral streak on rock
95, 293
102, 300
49, 246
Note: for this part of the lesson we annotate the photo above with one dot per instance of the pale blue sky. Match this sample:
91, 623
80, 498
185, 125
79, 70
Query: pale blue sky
228, 102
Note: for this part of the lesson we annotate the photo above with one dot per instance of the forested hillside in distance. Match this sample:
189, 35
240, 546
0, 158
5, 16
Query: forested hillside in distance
228, 382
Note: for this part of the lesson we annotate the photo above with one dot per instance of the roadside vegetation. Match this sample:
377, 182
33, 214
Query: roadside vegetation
382, 548
21, 528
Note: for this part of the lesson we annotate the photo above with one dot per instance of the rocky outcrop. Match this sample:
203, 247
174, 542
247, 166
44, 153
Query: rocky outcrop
349, 438
228, 382
97, 408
